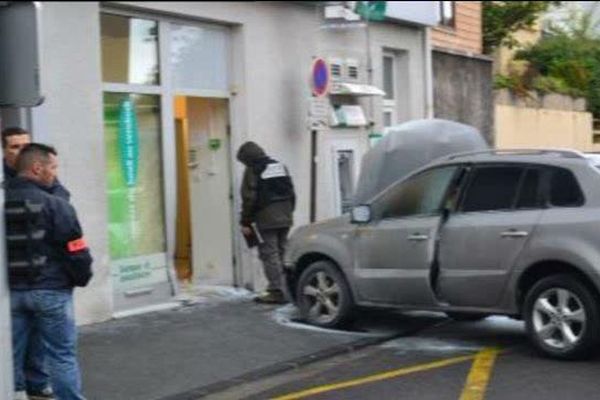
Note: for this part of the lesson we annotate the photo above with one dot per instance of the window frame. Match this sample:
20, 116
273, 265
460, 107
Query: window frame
526, 167
543, 192
390, 105
167, 94
443, 20
548, 188
143, 88
379, 203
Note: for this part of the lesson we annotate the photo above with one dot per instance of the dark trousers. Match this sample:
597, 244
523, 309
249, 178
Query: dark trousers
270, 252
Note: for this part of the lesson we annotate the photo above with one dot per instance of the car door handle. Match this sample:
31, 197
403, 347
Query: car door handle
417, 237
514, 234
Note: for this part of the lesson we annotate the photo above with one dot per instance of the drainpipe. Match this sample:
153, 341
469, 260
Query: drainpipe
428, 73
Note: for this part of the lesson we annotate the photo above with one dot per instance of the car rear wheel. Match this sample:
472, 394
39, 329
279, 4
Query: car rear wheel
323, 296
562, 318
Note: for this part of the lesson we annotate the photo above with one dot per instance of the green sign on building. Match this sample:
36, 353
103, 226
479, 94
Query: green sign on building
371, 10
129, 142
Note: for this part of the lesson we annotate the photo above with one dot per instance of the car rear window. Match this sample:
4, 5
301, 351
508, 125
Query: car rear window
564, 189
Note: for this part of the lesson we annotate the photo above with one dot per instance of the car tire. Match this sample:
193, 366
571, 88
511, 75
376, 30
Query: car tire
323, 296
459, 316
562, 318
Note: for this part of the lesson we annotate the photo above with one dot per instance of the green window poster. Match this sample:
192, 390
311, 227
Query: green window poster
136, 225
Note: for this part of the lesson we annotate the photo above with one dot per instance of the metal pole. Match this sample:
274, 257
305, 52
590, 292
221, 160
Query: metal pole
313, 175
6, 365
429, 110
370, 71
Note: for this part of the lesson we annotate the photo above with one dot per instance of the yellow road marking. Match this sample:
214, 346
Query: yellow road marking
375, 378
480, 374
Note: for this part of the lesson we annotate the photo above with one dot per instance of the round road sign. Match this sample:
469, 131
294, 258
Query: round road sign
320, 77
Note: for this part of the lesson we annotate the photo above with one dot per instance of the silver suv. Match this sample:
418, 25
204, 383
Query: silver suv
492, 232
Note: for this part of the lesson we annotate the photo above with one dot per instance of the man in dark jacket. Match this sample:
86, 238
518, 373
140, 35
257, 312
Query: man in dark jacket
36, 377
42, 278
268, 202
13, 140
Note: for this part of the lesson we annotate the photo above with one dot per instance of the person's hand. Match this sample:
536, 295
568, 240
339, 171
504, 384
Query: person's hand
246, 231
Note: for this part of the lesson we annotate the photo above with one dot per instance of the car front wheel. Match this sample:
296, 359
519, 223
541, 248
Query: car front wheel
323, 296
562, 318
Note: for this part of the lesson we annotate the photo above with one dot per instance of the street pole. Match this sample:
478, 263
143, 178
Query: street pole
20, 40
370, 73
6, 368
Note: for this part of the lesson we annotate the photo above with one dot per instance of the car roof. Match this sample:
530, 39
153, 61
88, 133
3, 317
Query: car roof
559, 157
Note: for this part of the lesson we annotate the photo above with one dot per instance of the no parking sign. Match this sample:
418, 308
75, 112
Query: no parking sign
320, 77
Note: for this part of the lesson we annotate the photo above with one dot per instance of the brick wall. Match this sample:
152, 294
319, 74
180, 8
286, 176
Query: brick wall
466, 34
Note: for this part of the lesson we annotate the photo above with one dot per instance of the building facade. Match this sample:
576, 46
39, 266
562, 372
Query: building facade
147, 103
462, 75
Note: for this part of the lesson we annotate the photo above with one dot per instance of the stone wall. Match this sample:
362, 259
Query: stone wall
550, 120
462, 90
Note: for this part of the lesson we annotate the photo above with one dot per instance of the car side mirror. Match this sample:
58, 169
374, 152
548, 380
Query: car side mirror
361, 214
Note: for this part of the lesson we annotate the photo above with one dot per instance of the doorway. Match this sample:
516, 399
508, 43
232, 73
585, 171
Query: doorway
204, 230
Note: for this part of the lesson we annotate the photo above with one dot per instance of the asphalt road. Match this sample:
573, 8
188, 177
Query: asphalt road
489, 359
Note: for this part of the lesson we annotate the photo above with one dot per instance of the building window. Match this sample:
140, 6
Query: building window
447, 12
345, 172
389, 87
387, 118
136, 226
132, 132
198, 57
134, 176
129, 50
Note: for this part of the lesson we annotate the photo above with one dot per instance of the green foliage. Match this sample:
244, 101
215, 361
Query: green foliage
550, 84
512, 82
568, 61
501, 19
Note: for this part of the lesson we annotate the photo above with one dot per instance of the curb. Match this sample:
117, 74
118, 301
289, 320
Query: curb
289, 365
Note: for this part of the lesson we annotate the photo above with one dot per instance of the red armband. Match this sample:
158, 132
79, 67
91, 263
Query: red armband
76, 245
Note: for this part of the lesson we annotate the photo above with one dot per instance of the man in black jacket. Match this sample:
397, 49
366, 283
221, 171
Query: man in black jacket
268, 202
37, 379
42, 278
13, 140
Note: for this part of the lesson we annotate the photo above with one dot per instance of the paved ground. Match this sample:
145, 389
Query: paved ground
234, 349
207, 347
449, 360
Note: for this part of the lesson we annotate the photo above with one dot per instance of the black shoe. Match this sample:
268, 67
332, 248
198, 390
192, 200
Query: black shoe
271, 297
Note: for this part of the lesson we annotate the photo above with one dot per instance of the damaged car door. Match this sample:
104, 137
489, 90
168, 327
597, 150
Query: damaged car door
482, 238
395, 251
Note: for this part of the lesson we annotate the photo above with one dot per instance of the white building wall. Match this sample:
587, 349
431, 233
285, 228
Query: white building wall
71, 120
273, 45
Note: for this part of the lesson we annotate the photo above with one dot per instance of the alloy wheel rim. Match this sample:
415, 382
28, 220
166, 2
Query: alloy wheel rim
559, 318
323, 296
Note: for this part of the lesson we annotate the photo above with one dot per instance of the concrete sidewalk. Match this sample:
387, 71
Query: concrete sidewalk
208, 346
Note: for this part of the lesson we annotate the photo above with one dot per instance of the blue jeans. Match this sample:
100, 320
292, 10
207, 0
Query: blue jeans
51, 313
36, 370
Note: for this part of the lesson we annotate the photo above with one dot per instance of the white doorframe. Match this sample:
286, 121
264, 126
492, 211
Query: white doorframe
339, 145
